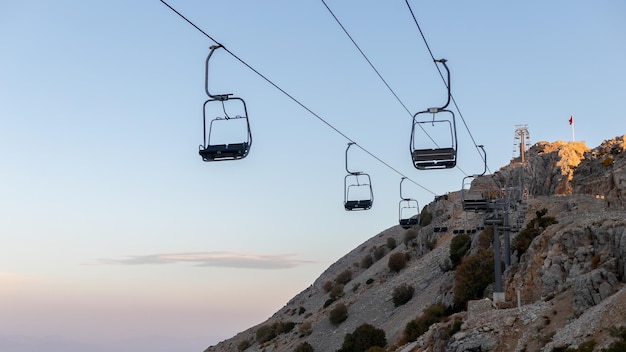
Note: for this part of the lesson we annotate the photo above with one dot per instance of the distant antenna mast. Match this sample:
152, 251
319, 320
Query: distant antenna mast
521, 141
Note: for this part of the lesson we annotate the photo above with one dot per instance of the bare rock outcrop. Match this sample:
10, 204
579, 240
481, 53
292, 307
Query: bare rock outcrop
603, 172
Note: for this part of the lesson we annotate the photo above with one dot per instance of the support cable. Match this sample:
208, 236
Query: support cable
444, 81
374, 68
296, 100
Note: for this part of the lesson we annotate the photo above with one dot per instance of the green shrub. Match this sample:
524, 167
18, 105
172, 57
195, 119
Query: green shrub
587, 346
268, 332
287, 327
328, 302
367, 261
416, 327
265, 333
534, 228
363, 337
409, 236
618, 332
472, 276
344, 277
455, 327
620, 345
430, 245
485, 238
306, 328
391, 243
243, 345
402, 294
379, 252
397, 261
459, 245
328, 285
338, 314
304, 347
336, 292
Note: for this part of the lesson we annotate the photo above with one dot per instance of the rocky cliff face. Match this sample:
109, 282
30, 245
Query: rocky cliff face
602, 172
565, 289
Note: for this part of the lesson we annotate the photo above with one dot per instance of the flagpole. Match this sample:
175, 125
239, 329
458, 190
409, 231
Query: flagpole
572, 123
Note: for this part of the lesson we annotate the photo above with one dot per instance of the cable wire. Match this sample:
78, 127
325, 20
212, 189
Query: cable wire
385, 82
365, 57
374, 68
444, 82
296, 100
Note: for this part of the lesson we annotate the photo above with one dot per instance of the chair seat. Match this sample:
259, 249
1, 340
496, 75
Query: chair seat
475, 204
358, 204
407, 223
224, 151
440, 158
441, 154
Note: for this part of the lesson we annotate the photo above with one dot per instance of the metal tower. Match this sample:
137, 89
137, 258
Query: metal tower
521, 142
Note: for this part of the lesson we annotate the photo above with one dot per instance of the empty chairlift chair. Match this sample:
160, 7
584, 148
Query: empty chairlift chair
227, 136
438, 130
474, 199
358, 194
408, 210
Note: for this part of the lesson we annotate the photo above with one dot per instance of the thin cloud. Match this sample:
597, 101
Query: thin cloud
214, 259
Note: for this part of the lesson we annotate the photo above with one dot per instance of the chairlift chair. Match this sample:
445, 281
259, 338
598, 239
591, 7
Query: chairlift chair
364, 198
408, 210
474, 199
442, 156
218, 151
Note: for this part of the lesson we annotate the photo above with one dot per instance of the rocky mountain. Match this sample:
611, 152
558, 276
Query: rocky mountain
560, 223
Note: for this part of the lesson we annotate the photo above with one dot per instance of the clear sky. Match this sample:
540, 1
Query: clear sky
115, 234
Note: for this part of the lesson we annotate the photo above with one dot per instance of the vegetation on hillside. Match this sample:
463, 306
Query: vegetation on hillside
472, 276
459, 245
268, 332
363, 337
533, 229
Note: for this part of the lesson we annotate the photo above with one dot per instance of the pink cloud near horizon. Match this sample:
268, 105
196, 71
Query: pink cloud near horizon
214, 259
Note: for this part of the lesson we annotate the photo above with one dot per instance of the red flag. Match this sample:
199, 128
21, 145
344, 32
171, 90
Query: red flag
571, 119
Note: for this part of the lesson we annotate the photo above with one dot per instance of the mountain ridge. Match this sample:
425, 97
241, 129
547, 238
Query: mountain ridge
573, 267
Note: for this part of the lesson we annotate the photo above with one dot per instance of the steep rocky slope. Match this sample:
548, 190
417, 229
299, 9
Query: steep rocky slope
565, 289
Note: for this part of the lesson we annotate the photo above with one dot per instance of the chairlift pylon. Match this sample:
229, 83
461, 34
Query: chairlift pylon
442, 156
219, 151
408, 209
362, 188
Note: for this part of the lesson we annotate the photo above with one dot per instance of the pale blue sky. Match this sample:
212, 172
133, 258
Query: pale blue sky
114, 229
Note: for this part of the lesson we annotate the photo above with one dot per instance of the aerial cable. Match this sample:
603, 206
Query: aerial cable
372, 66
444, 81
365, 57
296, 100
257, 72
